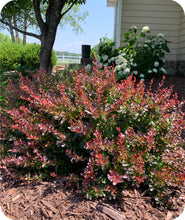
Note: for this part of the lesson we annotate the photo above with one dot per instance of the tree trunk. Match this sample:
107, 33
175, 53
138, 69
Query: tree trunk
11, 30
25, 29
48, 28
16, 32
47, 41
45, 58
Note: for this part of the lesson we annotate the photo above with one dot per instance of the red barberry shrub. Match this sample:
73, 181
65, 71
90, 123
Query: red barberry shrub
112, 135
32, 131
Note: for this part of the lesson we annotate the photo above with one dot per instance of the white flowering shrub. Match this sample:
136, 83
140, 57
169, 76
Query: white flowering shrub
142, 54
107, 55
146, 53
104, 50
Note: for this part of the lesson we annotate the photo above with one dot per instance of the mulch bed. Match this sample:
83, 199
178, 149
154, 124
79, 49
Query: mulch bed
53, 200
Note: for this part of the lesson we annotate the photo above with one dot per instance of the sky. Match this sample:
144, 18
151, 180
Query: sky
98, 24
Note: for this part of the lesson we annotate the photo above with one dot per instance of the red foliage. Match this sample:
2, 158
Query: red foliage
114, 134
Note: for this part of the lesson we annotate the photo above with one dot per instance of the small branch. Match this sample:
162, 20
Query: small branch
36, 6
68, 9
110, 212
22, 32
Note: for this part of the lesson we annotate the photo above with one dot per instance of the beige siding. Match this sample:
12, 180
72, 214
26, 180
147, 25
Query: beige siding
181, 38
162, 16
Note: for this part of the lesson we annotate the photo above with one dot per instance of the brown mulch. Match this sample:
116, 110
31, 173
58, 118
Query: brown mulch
52, 200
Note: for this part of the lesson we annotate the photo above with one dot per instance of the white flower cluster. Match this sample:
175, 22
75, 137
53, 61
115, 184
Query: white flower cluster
146, 29
121, 65
163, 70
134, 28
157, 68
160, 35
105, 58
142, 76
156, 64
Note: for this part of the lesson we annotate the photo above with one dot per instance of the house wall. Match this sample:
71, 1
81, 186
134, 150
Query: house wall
162, 16
181, 46
181, 38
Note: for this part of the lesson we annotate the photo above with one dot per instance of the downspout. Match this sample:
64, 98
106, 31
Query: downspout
115, 23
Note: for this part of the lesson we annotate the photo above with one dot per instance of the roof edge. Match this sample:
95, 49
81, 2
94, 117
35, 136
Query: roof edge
112, 3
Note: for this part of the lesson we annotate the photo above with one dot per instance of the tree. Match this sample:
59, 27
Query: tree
9, 12
25, 17
47, 21
18, 14
73, 17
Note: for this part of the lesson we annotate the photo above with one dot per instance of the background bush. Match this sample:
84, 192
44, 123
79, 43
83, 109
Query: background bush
103, 134
10, 55
15, 56
105, 47
4, 38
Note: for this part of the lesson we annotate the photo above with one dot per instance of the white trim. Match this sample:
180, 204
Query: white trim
115, 23
119, 22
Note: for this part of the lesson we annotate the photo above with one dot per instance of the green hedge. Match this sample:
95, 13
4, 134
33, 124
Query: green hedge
10, 55
14, 56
